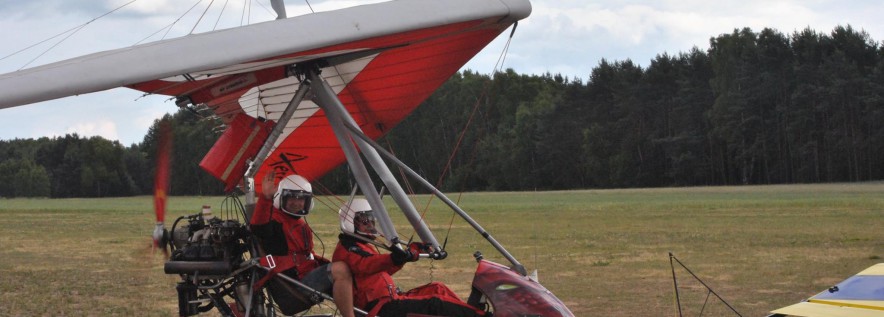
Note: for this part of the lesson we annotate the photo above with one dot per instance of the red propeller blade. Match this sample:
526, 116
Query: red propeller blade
161, 182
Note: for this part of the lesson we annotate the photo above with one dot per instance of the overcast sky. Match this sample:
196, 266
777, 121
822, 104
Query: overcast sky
568, 37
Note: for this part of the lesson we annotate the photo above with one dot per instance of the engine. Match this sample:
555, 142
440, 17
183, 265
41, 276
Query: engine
207, 252
206, 246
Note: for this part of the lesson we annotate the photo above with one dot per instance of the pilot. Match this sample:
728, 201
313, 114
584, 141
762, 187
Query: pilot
374, 289
279, 223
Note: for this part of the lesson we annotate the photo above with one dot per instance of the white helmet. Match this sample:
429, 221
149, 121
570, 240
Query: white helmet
356, 211
294, 186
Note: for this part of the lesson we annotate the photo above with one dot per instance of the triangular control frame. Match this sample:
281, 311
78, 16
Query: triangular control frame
352, 140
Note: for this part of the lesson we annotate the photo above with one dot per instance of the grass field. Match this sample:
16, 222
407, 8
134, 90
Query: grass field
603, 252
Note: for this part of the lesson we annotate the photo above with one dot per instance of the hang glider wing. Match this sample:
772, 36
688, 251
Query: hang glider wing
861, 295
382, 60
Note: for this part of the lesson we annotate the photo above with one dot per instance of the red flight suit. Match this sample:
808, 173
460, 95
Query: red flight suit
375, 291
284, 235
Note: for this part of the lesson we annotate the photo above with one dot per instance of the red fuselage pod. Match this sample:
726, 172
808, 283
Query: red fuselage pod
514, 295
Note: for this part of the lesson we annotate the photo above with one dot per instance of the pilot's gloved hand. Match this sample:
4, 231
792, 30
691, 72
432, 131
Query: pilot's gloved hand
400, 256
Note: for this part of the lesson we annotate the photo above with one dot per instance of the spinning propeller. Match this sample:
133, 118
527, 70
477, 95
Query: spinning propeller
161, 186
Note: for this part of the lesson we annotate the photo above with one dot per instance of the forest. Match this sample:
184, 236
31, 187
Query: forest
755, 108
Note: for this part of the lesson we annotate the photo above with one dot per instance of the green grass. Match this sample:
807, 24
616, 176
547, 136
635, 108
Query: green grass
603, 252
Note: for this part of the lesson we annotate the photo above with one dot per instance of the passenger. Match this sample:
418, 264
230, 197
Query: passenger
374, 289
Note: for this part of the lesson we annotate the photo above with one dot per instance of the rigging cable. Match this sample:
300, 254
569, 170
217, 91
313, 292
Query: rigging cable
401, 171
169, 27
482, 96
672, 261
506, 48
269, 11
458, 143
245, 7
72, 32
201, 16
215, 27
219, 14
455, 150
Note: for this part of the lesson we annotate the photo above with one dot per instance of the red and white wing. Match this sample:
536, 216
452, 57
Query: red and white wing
382, 60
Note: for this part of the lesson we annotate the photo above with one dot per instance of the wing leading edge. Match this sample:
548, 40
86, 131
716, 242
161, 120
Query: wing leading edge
196, 55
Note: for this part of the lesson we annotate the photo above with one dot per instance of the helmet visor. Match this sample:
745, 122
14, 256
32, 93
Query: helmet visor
364, 223
296, 193
288, 195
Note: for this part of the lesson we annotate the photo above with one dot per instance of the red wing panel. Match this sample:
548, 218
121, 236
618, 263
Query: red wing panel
390, 87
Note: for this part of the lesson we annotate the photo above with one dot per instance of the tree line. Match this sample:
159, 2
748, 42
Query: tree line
75, 166
755, 108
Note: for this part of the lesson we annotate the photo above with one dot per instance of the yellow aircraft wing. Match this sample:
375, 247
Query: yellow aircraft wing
861, 295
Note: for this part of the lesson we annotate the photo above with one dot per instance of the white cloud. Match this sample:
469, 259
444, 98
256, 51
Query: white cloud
149, 7
571, 37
